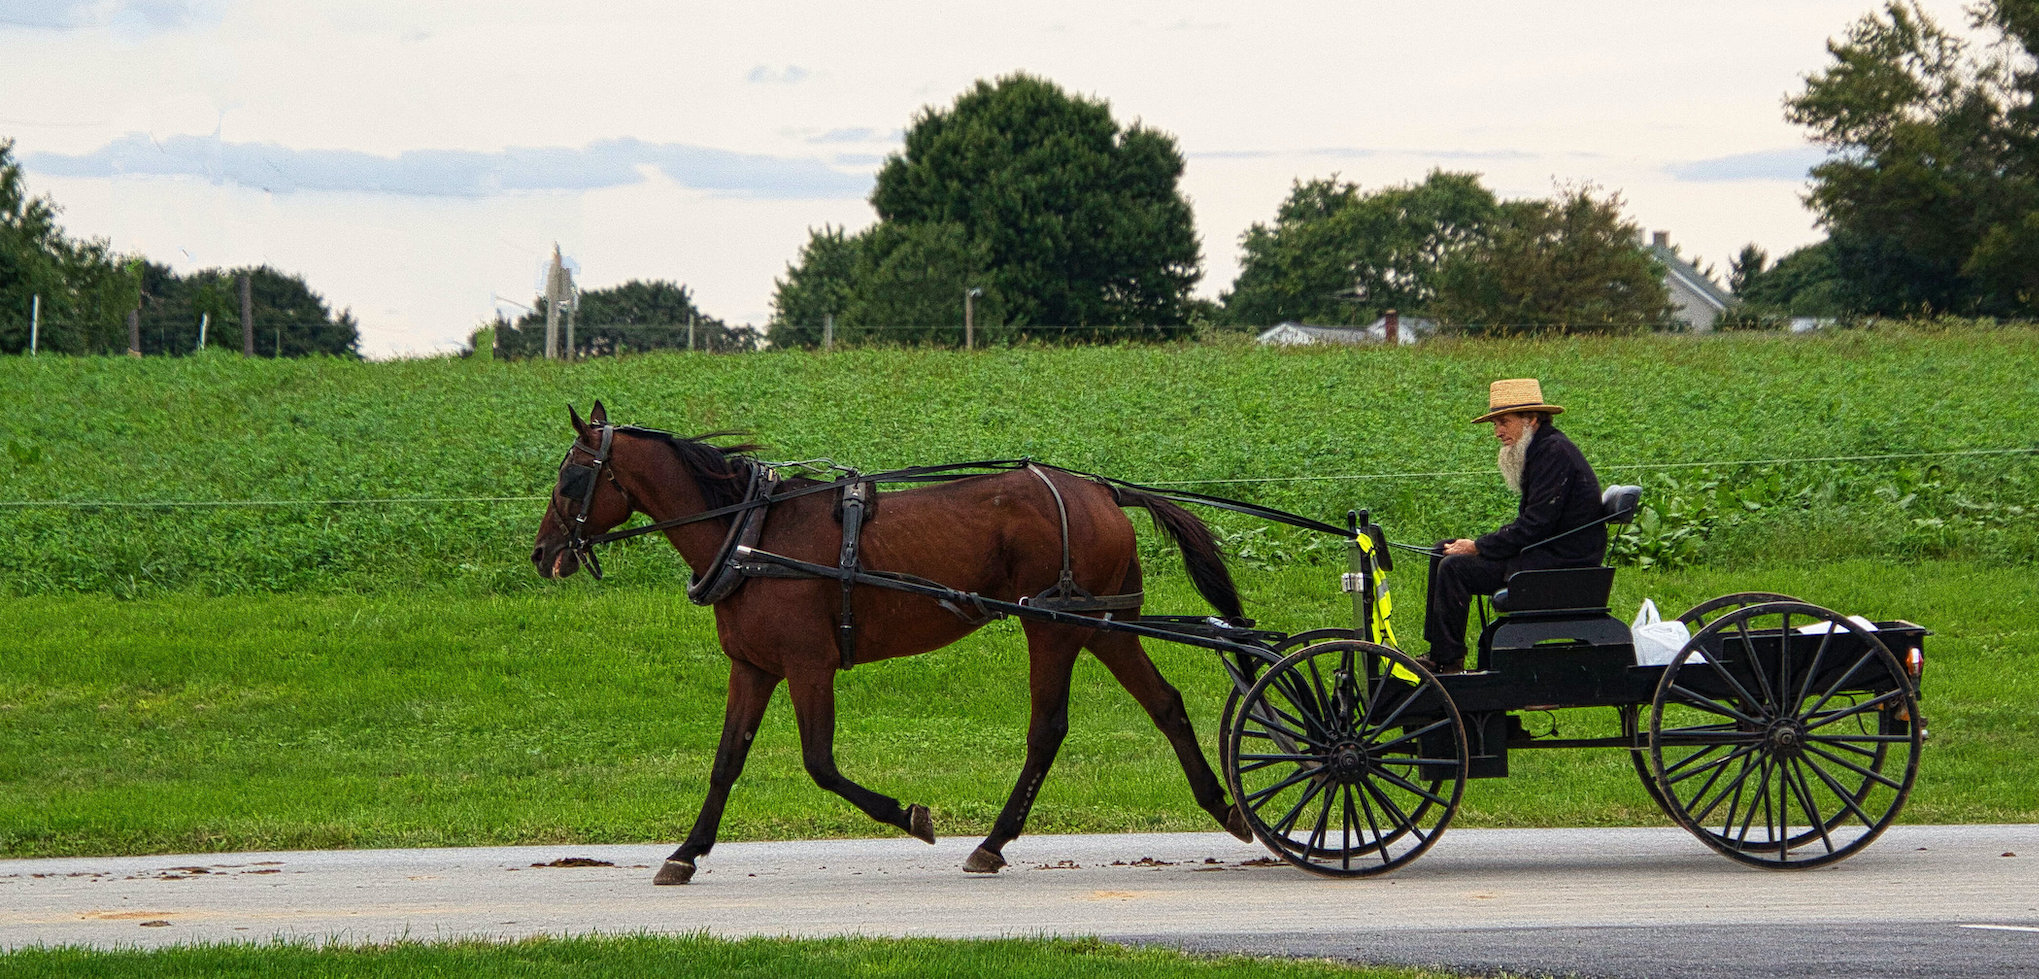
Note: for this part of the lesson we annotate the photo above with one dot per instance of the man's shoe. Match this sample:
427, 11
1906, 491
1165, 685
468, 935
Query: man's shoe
1440, 669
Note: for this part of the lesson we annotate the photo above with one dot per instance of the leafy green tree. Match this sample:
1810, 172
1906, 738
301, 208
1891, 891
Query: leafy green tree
291, 320
1930, 194
909, 287
1079, 223
86, 292
1568, 265
1336, 254
815, 288
1803, 283
635, 316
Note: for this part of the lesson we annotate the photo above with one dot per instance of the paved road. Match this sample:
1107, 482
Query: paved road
1614, 902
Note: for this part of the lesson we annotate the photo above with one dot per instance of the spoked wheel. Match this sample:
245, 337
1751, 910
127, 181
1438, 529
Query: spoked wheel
1251, 670
1347, 758
1698, 616
1784, 746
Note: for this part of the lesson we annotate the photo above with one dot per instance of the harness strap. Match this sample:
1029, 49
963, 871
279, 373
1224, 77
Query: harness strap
1066, 595
723, 576
855, 495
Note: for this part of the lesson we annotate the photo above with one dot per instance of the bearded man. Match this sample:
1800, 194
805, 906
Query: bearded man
1560, 495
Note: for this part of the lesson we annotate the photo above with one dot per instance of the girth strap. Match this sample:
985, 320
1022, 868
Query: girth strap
1066, 595
854, 499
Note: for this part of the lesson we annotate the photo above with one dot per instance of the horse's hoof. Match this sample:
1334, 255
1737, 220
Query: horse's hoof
675, 872
920, 823
983, 861
1235, 824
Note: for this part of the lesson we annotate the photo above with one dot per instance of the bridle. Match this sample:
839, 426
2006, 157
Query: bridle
577, 482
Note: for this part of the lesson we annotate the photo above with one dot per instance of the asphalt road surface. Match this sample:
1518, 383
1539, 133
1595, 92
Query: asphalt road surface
1922, 901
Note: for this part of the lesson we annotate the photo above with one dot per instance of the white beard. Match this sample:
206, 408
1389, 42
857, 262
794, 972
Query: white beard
1511, 459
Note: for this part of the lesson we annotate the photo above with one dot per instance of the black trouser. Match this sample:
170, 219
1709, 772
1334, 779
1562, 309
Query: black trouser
1453, 583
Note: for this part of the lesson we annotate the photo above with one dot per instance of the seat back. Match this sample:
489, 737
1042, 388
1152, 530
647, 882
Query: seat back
1556, 590
1620, 503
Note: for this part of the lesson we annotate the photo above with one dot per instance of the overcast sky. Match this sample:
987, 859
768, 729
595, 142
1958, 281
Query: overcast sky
416, 160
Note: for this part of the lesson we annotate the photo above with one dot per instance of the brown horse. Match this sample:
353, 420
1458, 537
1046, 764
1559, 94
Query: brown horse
1000, 536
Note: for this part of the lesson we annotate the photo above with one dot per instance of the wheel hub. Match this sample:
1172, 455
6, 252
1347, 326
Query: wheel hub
1786, 738
1348, 763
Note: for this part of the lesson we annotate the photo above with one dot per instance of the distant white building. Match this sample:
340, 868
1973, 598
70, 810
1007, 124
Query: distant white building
1404, 331
1695, 300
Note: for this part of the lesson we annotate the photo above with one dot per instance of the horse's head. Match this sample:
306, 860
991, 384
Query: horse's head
586, 500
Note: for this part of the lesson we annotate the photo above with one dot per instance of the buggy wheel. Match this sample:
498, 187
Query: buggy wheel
1697, 617
1250, 670
1785, 736
1347, 758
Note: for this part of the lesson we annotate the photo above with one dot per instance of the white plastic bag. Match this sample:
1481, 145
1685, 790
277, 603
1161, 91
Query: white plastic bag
1656, 641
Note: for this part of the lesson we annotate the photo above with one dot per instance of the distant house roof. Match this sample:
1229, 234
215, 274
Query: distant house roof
1409, 329
1696, 299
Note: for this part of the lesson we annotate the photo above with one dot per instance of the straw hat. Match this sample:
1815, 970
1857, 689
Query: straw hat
1518, 394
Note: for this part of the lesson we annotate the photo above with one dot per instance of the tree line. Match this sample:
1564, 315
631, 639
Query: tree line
76, 296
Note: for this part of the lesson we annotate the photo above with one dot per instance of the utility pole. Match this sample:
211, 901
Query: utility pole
969, 326
134, 332
247, 317
204, 320
691, 317
555, 288
34, 321
828, 332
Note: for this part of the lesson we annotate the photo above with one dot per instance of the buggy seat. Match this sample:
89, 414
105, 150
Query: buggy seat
1562, 604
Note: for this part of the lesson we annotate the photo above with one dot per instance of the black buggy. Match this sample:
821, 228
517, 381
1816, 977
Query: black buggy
1783, 734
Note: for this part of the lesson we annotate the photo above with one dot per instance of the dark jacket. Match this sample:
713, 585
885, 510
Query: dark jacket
1559, 492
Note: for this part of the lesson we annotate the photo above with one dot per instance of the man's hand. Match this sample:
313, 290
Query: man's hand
1459, 548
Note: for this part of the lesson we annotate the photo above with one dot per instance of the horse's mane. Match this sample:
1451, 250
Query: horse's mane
721, 471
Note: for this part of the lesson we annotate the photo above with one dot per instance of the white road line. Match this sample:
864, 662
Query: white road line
2001, 927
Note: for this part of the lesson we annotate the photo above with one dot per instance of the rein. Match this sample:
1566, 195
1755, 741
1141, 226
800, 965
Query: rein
943, 473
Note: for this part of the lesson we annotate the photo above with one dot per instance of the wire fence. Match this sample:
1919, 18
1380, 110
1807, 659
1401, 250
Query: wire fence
1449, 473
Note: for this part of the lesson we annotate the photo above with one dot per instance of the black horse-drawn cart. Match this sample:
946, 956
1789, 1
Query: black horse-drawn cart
1783, 734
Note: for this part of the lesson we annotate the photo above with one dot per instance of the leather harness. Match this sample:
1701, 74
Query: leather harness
729, 570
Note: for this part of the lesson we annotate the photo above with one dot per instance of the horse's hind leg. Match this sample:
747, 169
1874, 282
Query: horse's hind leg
750, 689
814, 710
1051, 657
1120, 652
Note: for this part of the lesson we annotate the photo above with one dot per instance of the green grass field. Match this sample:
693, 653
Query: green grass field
325, 674
588, 958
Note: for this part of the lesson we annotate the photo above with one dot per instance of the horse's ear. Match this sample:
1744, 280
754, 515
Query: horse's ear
579, 427
599, 416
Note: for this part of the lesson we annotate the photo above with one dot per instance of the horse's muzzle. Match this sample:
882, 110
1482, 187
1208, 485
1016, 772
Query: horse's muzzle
555, 561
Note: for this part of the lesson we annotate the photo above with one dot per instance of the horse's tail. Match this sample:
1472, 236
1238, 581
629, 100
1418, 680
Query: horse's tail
1199, 550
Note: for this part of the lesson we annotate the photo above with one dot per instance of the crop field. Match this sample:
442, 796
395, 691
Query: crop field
309, 668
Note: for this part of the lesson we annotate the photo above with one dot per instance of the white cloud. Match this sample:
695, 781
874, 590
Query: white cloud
1786, 164
131, 18
457, 173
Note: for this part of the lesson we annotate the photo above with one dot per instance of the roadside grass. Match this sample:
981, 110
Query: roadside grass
653, 956
589, 713
216, 428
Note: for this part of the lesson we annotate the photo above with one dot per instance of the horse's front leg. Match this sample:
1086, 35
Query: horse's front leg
750, 689
814, 711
